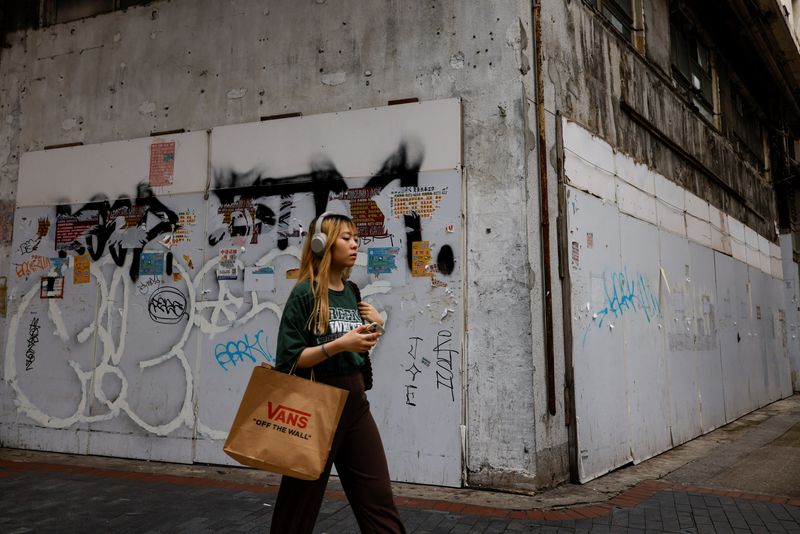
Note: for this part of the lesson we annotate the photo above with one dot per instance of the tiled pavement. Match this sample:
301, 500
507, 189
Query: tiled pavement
43, 498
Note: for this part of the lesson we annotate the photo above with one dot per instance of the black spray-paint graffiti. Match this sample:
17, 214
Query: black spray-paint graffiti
33, 340
167, 305
444, 362
126, 224
130, 224
147, 283
26, 247
413, 370
246, 217
250, 217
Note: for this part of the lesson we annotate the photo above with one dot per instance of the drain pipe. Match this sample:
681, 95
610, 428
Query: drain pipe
544, 210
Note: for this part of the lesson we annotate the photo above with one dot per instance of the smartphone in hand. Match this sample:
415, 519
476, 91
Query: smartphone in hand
375, 327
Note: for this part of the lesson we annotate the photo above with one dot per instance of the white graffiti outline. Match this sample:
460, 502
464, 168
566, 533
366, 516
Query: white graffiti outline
226, 305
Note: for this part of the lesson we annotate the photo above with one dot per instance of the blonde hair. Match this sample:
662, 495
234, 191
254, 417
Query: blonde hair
316, 269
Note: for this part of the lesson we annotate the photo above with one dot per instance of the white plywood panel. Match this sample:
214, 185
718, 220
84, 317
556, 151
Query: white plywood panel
780, 338
776, 263
588, 146
682, 363
729, 294
776, 268
792, 300
640, 287
588, 177
635, 174
158, 375
408, 383
696, 206
670, 206
720, 234
775, 250
47, 366
702, 300
752, 255
424, 135
79, 174
756, 358
699, 230
598, 346
588, 161
636, 202
772, 335
764, 257
738, 245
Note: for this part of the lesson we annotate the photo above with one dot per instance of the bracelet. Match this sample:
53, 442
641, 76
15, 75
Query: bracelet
325, 352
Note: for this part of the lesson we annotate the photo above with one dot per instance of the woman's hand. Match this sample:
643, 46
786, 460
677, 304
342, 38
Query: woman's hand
369, 313
358, 339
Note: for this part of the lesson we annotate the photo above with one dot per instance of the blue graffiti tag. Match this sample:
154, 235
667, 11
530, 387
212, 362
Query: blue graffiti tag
234, 352
625, 294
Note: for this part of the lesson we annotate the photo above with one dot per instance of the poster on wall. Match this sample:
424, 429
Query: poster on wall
162, 163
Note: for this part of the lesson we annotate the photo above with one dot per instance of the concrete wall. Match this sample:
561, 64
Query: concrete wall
589, 69
195, 65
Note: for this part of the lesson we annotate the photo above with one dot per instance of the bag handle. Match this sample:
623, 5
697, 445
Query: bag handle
294, 367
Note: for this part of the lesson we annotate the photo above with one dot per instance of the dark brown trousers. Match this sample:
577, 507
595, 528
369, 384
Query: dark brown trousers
357, 452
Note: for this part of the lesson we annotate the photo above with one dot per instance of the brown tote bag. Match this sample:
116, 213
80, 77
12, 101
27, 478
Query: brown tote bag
285, 424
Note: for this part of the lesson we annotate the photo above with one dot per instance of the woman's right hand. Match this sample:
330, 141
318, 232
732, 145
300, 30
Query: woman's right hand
358, 339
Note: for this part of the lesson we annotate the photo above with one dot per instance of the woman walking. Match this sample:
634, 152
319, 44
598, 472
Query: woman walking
322, 329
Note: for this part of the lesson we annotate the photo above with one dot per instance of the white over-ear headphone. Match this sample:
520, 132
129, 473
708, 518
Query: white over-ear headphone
320, 238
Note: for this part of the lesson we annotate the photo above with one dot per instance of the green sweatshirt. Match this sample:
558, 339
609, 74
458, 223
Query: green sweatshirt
294, 335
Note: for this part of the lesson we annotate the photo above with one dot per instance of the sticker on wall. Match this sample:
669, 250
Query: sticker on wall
420, 258
381, 260
52, 287
227, 270
42, 227
162, 163
81, 271
151, 264
292, 274
185, 220
71, 228
364, 211
58, 266
259, 279
424, 201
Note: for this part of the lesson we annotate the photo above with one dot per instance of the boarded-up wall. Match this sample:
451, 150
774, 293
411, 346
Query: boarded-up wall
150, 276
678, 311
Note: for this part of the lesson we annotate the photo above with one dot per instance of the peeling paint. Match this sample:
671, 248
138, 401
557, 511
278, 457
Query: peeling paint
334, 78
457, 60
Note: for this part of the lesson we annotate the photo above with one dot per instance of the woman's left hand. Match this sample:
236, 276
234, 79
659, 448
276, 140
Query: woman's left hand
369, 313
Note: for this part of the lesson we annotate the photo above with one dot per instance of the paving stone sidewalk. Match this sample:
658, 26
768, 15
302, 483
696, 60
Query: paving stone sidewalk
44, 498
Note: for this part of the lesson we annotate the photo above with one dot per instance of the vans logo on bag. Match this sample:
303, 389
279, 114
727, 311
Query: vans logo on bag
286, 415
